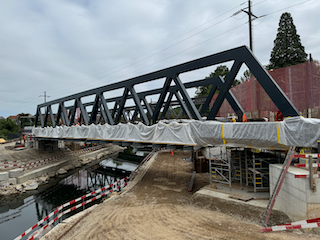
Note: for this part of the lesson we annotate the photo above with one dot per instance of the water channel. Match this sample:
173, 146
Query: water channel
19, 213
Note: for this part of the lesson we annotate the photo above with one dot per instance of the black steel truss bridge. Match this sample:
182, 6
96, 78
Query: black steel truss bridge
108, 109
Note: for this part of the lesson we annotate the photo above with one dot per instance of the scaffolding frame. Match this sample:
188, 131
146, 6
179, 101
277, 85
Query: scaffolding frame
220, 167
238, 167
257, 170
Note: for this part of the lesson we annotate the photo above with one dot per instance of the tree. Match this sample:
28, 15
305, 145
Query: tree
287, 49
221, 71
246, 75
7, 126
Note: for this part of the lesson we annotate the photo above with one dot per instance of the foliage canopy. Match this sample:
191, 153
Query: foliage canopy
221, 71
7, 126
287, 49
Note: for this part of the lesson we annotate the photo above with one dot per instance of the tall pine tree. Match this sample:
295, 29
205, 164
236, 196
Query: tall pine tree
287, 49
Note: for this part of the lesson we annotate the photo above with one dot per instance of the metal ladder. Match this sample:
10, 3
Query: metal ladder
278, 185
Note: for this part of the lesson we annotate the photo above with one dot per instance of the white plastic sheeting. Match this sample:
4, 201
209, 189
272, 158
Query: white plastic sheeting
299, 131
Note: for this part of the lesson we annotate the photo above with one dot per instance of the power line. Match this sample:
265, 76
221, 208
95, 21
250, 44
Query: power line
115, 71
90, 78
250, 15
285, 8
162, 50
181, 51
191, 47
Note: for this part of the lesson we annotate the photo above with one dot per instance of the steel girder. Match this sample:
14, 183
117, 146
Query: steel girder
173, 86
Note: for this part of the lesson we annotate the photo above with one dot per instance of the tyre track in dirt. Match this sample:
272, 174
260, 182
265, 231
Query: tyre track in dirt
160, 207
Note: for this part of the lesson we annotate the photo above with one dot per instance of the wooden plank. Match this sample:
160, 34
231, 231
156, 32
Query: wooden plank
192, 181
253, 170
241, 197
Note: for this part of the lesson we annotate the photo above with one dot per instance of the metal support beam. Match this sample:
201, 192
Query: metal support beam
184, 107
137, 101
160, 102
224, 89
240, 55
84, 113
106, 113
192, 108
166, 106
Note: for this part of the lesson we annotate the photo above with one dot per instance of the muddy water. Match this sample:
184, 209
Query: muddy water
18, 213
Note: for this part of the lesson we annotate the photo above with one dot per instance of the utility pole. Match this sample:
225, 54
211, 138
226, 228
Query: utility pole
45, 96
250, 15
250, 25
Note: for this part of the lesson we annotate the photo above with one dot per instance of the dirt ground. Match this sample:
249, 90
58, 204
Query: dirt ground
159, 206
25, 156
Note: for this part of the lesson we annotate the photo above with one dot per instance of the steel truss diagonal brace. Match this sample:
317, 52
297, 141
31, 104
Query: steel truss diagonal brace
137, 101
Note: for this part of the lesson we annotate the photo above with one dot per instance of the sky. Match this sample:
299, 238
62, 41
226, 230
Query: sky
64, 47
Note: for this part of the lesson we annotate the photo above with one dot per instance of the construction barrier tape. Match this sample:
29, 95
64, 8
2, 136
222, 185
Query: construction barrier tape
300, 165
290, 227
302, 222
114, 186
306, 176
47, 160
74, 208
315, 155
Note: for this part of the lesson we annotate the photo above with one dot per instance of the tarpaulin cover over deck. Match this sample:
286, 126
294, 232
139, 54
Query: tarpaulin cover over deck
299, 131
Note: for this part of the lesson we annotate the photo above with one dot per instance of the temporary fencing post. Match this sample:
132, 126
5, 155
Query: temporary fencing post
311, 179
59, 212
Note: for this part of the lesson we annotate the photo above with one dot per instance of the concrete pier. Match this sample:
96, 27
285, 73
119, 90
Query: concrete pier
295, 198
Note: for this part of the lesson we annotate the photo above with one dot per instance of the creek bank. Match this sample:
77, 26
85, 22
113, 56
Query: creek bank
32, 179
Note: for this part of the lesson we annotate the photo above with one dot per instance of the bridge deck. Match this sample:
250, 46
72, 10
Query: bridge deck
297, 131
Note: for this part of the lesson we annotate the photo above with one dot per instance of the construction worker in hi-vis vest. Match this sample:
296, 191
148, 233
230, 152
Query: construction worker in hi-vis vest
244, 118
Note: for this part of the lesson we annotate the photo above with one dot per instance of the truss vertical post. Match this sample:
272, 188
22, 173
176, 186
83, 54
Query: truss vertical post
46, 116
58, 115
51, 116
64, 115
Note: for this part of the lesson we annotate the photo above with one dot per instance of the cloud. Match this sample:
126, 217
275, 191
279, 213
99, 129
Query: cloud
67, 46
